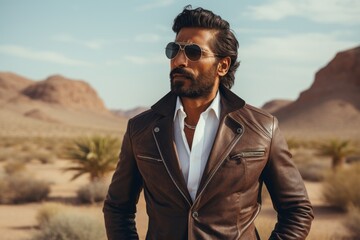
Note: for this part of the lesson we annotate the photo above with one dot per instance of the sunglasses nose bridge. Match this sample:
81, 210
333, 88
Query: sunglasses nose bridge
181, 55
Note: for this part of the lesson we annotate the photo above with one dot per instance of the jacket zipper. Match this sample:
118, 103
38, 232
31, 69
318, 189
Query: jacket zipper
252, 153
150, 158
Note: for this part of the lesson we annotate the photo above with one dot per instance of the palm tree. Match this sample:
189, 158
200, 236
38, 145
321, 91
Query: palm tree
96, 156
338, 150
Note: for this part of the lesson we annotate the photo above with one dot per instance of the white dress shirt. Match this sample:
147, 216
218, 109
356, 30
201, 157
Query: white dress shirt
192, 162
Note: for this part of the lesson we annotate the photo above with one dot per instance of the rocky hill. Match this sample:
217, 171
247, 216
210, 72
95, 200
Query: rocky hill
56, 106
274, 105
332, 103
129, 113
65, 92
11, 85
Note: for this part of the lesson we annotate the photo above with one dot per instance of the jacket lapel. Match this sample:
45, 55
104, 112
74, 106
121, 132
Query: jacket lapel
164, 137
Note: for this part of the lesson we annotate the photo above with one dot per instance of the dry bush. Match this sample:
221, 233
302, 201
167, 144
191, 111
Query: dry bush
48, 211
312, 168
14, 167
44, 157
352, 222
92, 192
23, 188
340, 187
69, 225
6, 154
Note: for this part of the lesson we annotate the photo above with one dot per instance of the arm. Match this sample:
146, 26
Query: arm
287, 191
120, 203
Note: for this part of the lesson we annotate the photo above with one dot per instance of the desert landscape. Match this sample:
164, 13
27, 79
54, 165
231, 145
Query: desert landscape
42, 122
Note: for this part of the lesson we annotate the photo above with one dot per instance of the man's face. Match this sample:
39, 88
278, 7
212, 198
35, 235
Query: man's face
194, 79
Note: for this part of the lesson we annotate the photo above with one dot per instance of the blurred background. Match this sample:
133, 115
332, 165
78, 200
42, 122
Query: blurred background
73, 72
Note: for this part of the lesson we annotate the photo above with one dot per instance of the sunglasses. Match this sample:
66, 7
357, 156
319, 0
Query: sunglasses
193, 52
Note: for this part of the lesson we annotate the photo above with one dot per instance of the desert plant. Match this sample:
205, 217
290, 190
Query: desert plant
48, 211
338, 150
339, 187
22, 188
13, 167
352, 222
71, 226
92, 192
95, 156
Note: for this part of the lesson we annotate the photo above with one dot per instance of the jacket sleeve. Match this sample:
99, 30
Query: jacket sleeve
123, 194
287, 191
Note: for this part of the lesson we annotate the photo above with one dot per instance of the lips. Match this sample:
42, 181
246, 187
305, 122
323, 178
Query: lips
180, 73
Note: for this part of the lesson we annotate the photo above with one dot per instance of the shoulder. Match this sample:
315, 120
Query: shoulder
143, 121
256, 119
255, 112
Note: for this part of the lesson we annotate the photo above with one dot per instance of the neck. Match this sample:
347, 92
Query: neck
193, 107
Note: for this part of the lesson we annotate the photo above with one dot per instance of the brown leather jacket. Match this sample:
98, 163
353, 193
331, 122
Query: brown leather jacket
249, 150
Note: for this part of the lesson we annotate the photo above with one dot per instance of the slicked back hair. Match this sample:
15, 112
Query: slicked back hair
225, 43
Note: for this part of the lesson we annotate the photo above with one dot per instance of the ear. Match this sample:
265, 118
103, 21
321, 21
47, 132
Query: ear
223, 66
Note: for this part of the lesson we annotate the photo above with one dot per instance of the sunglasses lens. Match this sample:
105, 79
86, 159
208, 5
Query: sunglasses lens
171, 50
193, 52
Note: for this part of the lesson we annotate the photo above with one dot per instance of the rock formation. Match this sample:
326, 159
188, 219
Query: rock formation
332, 103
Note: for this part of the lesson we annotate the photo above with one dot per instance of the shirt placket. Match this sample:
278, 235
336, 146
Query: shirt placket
195, 157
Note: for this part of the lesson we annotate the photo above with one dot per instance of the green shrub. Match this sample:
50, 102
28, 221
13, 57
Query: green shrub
340, 187
23, 188
92, 192
71, 226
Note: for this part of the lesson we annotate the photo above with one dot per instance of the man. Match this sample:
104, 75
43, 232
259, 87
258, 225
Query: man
201, 153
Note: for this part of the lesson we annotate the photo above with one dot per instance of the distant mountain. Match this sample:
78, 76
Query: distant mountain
274, 105
65, 92
332, 103
56, 106
12, 84
129, 113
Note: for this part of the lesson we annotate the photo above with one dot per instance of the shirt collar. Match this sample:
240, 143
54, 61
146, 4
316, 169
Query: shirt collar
214, 106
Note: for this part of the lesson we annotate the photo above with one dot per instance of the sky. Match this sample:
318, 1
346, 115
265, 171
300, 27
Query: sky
118, 46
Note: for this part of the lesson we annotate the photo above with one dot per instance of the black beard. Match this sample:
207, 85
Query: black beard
200, 87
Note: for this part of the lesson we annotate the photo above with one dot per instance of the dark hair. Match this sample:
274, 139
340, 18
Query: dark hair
225, 44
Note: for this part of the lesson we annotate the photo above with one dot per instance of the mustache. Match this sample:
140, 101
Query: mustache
181, 71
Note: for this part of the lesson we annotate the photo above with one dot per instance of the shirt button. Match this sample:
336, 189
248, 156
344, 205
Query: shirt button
239, 130
156, 129
195, 214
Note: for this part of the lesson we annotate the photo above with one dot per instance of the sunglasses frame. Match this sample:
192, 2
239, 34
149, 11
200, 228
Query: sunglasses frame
183, 46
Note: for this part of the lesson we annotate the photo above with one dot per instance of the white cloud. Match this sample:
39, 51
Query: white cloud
155, 4
92, 44
323, 11
46, 56
300, 48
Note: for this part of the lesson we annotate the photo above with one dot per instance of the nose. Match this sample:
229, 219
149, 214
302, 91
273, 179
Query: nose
180, 60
